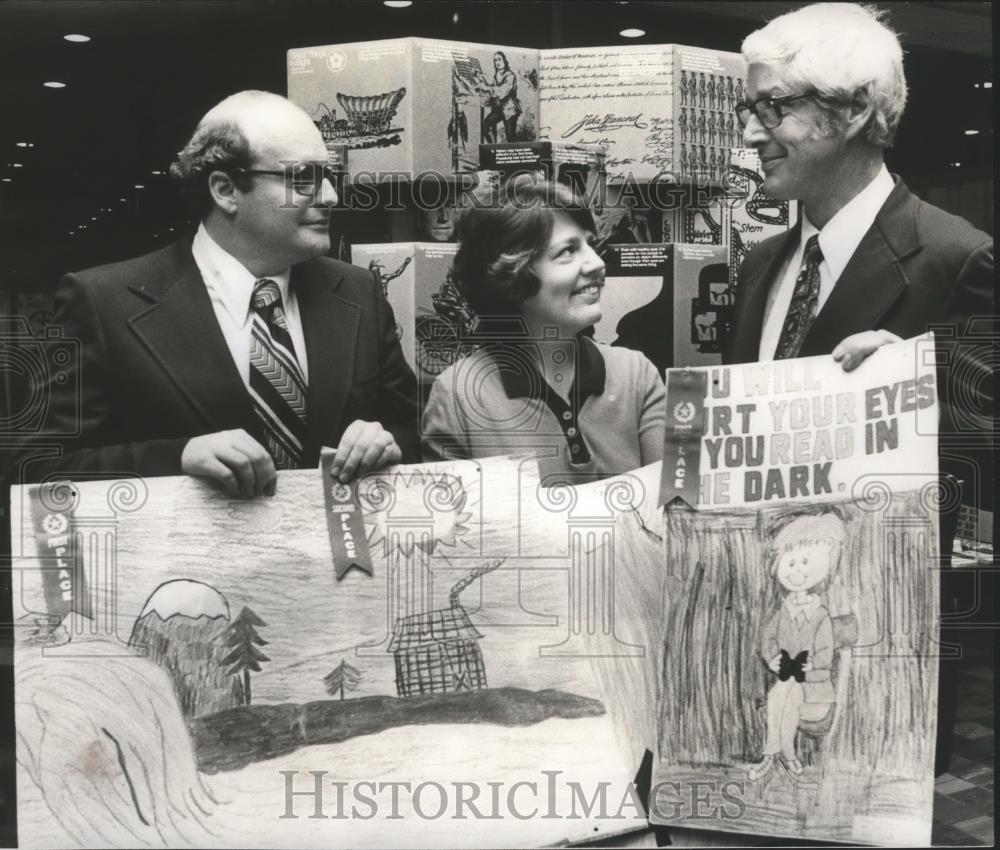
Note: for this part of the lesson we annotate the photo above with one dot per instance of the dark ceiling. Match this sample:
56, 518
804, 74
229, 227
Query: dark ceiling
135, 91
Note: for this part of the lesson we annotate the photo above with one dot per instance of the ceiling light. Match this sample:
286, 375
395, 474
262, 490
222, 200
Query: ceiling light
398, 4
971, 132
158, 173
632, 32
7, 180
123, 200
93, 218
988, 84
23, 144
17, 165
77, 38
454, 18
52, 84
955, 164
139, 186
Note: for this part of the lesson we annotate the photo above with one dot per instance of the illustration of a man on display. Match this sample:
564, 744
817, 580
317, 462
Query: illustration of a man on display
437, 224
869, 263
243, 350
501, 99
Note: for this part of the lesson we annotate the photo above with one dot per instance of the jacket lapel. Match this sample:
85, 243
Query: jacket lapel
873, 279
181, 333
330, 325
753, 300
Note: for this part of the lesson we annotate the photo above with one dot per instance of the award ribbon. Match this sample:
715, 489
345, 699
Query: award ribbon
63, 577
679, 479
345, 522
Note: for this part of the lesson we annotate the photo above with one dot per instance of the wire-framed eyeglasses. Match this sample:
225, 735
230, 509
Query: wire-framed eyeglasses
305, 178
768, 109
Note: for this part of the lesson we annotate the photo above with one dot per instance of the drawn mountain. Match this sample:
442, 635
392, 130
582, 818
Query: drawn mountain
180, 629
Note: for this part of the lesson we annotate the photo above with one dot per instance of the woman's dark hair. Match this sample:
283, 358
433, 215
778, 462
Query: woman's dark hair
502, 55
499, 242
217, 146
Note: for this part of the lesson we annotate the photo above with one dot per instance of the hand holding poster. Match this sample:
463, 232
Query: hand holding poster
799, 669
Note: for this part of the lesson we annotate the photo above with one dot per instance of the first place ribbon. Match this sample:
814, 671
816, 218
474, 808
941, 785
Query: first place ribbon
679, 479
345, 522
63, 576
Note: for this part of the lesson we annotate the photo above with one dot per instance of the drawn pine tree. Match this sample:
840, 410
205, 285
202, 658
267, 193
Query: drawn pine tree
342, 678
242, 639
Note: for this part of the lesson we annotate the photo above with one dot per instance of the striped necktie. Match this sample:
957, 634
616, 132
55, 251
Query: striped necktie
805, 297
277, 387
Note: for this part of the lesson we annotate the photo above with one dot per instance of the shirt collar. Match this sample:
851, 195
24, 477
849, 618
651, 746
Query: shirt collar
800, 611
526, 382
228, 277
844, 232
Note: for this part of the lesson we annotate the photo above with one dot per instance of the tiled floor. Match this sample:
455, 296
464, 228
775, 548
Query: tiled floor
964, 797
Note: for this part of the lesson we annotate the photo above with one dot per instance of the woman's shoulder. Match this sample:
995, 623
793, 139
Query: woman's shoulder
479, 362
619, 357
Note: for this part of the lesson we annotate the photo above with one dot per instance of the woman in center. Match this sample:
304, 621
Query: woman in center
539, 384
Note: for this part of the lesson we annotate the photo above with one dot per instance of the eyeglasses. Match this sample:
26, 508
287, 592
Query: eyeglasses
768, 109
305, 178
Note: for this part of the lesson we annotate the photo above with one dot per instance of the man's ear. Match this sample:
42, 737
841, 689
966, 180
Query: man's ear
223, 191
859, 111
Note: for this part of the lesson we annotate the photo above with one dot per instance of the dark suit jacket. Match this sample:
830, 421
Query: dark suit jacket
155, 369
917, 268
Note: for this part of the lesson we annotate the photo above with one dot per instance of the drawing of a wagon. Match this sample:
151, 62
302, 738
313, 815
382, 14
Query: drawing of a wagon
367, 115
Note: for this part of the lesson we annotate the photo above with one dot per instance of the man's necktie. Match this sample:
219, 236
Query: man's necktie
805, 297
277, 387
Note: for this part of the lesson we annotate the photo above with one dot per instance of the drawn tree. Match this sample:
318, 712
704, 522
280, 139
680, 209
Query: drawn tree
342, 678
242, 640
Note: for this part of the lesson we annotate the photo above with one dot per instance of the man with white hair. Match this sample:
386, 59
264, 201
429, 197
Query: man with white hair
243, 350
869, 263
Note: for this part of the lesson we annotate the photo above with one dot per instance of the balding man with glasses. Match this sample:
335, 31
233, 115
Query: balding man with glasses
243, 350
869, 262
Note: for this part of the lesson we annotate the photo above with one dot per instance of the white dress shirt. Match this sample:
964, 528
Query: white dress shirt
838, 241
230, 286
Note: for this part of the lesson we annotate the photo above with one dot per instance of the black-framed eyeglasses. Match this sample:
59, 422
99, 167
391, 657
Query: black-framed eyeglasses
305, 178
768, 109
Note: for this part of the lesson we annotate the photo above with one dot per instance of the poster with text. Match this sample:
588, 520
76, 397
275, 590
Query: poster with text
799, 634
658, 109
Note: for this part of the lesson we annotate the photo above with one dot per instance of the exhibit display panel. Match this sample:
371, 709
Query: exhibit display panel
410, 106
671, 302
434, 324
658, 109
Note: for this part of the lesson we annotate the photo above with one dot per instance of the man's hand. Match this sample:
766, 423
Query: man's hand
234, 459
854, 350
363, 447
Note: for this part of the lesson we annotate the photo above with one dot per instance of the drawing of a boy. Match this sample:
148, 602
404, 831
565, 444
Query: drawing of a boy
797, 642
